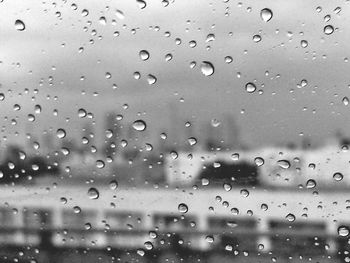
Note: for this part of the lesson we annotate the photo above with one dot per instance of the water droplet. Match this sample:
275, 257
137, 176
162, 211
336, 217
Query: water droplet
63, 200
144, 55
148, 245
103, 20
210, 37
192, 141
266, 14
244, 192
151, 79
310, 184
87, 226
84, 12
82, 113
207, 68
259, 161
100, 164
76, 209
61, 133
290, 217
119, 14
137, 75
139, 125
328, 29
264, 207
108, 75
250, 87
182, 208
346, 101
113, 185
256, 38
93, 193
283, 164
227, 187
343, 231
209, 239
19, 25
304, 43
338, 177
142, 4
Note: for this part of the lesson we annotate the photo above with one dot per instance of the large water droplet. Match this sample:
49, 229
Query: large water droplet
338, 176
310, 184
19, 25
139, 125
343, 231
113, 185
290, 217
346, 101
183, 208
259, 161
142, 4
207, 68
328, 29
266, 14
151, 79
283, 164
93, 193
250, 87
61, 133
144, 55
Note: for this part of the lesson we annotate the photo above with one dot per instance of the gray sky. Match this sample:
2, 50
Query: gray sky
278, 115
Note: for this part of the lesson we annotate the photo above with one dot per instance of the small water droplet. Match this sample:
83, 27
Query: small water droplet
113, 185
328, 29
250, 87
148, 245
84, 12
343, 231
283, 164
144, 55
290, 217
244, 192
142, 4
93, 193
338, 177
256, 38
183, 208
346, 101
266, 14
139, 125
100, 164
19, 25
209, 239
304, 43
151, 79
310, 184
61, 133
207, 68
259, 161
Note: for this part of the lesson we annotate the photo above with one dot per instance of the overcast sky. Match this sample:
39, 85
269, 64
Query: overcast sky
50, 43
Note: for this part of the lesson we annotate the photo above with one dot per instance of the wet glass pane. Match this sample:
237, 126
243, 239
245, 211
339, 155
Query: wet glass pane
174, 131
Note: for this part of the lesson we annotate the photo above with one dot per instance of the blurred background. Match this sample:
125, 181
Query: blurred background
174, 131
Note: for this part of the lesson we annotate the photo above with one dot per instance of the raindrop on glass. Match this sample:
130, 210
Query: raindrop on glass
144, 55
139, 125
19, 25
328, 29
207, 68
93, 193
250, 87
182, 208
266, 14
61, 133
